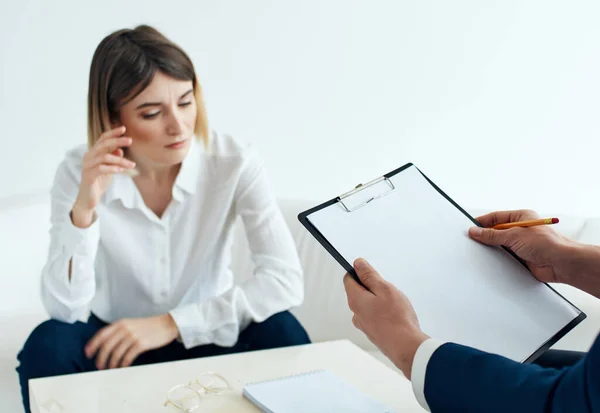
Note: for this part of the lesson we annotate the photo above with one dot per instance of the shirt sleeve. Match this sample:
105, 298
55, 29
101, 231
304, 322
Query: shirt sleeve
67, 299
277, 284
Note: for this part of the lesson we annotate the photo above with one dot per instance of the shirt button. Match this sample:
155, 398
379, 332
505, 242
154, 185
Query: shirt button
163, 260
163, 293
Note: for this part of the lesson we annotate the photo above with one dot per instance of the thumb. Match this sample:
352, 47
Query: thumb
489, 236
367, 275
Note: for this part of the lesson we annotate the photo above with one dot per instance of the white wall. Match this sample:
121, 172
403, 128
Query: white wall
497, 101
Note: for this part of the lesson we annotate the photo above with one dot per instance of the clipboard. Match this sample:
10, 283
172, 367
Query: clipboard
490, 301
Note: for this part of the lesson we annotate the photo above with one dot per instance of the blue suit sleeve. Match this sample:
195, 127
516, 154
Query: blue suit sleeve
462, 379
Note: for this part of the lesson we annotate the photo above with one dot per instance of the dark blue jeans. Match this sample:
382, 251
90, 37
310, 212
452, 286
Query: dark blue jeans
56, 348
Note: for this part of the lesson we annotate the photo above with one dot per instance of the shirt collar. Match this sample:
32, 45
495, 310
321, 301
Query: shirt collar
187, 179
123, 188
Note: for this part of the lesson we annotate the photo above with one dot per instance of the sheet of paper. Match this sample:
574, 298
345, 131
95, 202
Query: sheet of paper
462, 291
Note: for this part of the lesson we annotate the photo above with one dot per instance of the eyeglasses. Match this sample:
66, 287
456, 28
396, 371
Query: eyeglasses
188, 397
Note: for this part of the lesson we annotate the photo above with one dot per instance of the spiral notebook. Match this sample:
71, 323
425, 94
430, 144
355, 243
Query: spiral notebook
318, 391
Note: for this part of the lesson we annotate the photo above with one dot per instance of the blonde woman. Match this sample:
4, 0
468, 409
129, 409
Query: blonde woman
142, 222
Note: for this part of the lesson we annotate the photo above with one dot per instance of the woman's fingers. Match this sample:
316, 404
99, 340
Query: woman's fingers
113, 133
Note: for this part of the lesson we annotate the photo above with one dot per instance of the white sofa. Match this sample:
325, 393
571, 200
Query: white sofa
23, 247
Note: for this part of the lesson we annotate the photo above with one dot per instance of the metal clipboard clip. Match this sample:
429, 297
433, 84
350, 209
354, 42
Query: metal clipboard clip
361, 187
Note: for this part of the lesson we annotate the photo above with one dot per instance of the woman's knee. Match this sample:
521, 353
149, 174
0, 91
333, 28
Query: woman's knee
52, 347
48, 336
279, 330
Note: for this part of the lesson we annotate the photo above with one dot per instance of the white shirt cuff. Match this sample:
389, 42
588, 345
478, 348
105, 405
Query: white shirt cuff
80, 246
419, 369
190, 325
82, 241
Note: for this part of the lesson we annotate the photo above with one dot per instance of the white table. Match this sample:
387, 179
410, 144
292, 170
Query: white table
143, 388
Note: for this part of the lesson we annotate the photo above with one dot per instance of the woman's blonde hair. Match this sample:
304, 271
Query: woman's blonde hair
124, 64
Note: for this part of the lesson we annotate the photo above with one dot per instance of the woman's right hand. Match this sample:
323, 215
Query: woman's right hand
100, 162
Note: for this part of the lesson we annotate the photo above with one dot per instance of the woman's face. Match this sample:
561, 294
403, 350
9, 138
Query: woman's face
161, 121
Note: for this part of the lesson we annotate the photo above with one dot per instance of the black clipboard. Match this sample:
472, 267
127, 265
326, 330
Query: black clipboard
303, 218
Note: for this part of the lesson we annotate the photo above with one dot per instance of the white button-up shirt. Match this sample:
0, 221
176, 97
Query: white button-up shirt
130, 263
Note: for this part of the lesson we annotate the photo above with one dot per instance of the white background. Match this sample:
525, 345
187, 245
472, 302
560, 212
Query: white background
497, 101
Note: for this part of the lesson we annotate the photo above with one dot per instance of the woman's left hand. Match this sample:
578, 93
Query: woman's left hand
120, 343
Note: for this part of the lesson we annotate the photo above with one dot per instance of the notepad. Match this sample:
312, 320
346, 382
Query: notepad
318, 391
416, 237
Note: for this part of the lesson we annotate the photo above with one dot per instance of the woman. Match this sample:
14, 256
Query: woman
142, 223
